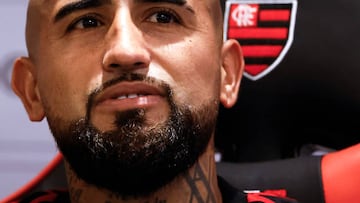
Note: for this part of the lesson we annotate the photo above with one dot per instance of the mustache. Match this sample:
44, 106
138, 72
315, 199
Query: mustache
126, 77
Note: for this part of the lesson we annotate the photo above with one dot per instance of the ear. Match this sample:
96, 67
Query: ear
24, 85
232, 71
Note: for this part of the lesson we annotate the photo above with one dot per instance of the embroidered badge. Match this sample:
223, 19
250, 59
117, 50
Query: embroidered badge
265, 30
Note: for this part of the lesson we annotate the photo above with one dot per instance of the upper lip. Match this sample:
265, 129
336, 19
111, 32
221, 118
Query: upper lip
124, 89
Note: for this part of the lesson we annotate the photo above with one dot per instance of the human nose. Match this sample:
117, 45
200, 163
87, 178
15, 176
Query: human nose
126, 47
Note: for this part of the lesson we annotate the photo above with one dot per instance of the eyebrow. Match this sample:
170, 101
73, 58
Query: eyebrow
176, 2
85, 4
78, 5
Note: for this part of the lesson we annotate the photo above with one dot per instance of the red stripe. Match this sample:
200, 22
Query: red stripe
257, 198
262, 51
255, 69
258, 33
35, 181
275, 15
50, 197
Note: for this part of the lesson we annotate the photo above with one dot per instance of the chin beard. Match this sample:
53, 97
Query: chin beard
136, 159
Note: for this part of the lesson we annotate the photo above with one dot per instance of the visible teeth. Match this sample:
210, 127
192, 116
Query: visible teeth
122, 97
130, 96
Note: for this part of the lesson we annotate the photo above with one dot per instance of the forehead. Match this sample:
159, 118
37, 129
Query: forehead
58, 3
52, 10
49, 8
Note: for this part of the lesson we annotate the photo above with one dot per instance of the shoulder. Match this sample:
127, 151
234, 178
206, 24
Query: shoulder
231, 194
269, 196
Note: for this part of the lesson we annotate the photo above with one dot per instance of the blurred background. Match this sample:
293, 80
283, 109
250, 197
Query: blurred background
310, 100
25, 147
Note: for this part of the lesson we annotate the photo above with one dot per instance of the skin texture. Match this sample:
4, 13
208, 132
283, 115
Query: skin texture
72, 54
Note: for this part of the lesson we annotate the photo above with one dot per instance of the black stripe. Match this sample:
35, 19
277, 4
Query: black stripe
275, 6
261, 42
259, 60
272, 24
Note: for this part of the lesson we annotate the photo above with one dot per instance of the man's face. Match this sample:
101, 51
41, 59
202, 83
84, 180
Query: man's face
126, 81
81, 49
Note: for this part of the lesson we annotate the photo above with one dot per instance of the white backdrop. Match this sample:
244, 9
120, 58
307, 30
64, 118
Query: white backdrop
25, 147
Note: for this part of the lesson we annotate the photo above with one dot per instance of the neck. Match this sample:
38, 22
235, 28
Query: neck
198, 184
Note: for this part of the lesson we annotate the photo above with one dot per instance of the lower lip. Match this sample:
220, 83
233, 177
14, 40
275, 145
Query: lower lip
130, 103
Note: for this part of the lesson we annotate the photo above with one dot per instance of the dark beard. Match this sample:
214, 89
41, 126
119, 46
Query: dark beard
136, 160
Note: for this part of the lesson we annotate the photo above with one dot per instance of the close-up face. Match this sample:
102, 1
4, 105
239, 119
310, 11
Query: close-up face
81, 45
130, 88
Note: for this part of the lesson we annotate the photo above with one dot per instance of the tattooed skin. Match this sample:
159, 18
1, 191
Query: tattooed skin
157, 200
198, 179
75, 194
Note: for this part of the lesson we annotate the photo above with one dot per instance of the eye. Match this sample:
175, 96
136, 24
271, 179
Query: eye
164, 16
85, 23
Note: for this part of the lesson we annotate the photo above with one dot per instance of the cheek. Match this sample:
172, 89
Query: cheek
64, 85
196, 71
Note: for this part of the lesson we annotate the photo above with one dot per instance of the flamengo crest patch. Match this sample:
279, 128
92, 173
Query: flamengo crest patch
265, 30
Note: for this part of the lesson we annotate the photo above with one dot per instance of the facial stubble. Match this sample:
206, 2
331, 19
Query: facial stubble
135, 159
